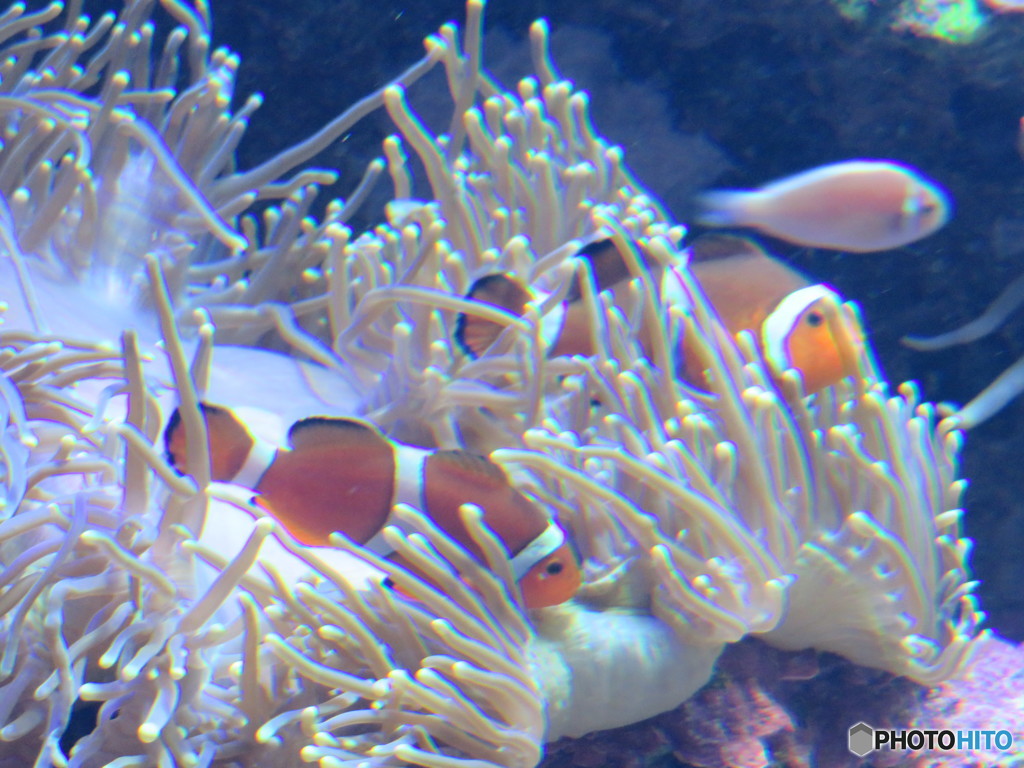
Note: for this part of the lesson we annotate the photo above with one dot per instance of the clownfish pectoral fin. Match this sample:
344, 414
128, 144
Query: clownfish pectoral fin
229, 440
326, 430
475, 334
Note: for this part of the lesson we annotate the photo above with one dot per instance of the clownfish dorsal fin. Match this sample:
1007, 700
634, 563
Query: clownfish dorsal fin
475, 334
229, 439
334, 431
606, 264
712, 247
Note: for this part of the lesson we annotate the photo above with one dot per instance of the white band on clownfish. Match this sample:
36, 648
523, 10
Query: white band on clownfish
673, 294
552, 321
780, 323
408, 490
261, 455
674, 291
378, 544
550, 539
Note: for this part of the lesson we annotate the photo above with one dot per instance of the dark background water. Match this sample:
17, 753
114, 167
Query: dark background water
735, 93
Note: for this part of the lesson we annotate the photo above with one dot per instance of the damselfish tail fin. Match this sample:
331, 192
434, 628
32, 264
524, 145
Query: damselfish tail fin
721, 208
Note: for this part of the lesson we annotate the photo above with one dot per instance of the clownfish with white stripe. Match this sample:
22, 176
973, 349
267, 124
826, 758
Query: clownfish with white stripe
344, 475
753, 291
750, 290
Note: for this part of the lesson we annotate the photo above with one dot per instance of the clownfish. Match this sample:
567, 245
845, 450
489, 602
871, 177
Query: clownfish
753, 291
857, 205
564, 329
749, 289
344, 475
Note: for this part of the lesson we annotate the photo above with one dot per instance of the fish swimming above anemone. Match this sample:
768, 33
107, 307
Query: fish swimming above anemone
343, 475
750, 289
1006, 6
856, 205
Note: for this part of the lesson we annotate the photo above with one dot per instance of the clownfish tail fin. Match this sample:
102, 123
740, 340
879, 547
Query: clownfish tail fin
475, 334
220, 422
174, 442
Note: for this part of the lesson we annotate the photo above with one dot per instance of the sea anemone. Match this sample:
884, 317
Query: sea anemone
704, 511
1010, 383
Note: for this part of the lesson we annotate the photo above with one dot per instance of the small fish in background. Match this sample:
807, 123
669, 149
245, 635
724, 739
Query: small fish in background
750, 289
343, 475
857, 205
1006, 6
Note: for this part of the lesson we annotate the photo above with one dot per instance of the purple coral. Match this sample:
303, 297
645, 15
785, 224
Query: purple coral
988, 695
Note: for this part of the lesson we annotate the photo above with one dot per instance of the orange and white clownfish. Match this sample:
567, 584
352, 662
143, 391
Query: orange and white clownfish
344, 475
857, 205
753, 291
749, 288
564, 328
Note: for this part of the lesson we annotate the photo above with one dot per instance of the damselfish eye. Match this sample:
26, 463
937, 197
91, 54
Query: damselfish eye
814, 319
554, 568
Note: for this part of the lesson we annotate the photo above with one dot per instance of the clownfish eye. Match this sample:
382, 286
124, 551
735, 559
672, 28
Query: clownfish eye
814, 319
554, 569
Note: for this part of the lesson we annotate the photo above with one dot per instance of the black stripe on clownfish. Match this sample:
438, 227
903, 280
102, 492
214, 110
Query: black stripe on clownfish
344, 475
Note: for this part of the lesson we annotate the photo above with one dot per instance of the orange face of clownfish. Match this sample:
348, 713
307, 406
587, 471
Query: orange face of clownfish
749, 289
343, 475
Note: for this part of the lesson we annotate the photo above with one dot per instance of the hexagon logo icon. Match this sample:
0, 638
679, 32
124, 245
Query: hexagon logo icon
861, 739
